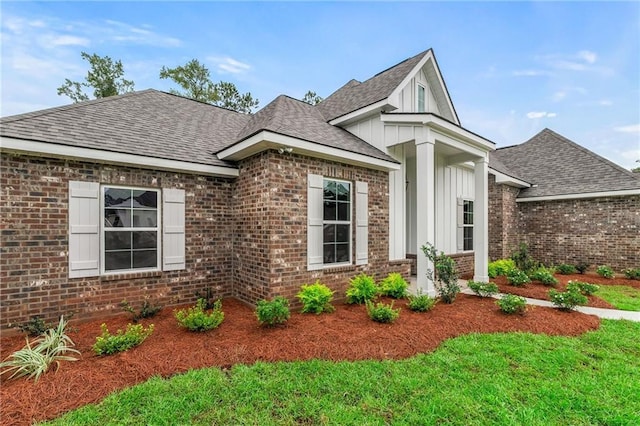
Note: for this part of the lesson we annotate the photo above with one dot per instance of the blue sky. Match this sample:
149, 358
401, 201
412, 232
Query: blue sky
512, 68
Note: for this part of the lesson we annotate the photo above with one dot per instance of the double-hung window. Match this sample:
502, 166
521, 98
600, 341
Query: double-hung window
467, 225
336, 221
421, 98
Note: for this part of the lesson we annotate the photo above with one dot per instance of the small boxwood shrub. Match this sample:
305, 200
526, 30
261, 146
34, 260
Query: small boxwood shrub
316, 298
421, 302
517, 278
394, 286
545, 276
361, 289
582, 267
146, 311
567, 300
483, 289
512, 304
604, 271
566, 269
581, 287
273, 312
107, 343
632, 273
500, 267
381, 312
196, 318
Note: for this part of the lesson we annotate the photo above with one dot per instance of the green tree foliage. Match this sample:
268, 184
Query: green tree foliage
312, 98
105, 77
195, 82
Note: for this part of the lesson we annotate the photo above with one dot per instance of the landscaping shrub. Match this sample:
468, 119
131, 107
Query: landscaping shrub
566, 269
567, 300
581, 287
483, 289
381, 312
394, 286
207, 296
35, 326
604, 271
37, 356
273, 312
632, 273
445, 278
518, 278
361, 289
545, 276
146, 311
582, 267
196, 318
500, 267
107, 343
512, 304
315, 298
523, 259
421, 302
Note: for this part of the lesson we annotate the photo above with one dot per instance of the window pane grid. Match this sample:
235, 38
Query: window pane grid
467, 217
337, 222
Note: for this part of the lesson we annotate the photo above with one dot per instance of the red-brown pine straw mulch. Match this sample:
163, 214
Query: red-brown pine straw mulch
346, 334
537, 290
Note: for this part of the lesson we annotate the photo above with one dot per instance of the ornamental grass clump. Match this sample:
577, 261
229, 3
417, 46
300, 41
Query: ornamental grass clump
273, 312
394, 286
483, 289
315, 298
122, 340
445, 278
512, 304
381, 312
421, 302
38, 355
362, 288
518, 278
197, 318
567, 300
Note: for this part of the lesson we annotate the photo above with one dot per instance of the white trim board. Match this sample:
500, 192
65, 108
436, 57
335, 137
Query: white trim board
622, 193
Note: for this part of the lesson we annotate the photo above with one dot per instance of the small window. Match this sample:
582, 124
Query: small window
130, 229
336, 222
467, 224
421, 98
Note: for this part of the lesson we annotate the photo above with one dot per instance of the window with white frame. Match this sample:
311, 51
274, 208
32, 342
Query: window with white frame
131, 231
336, 243
467, 225
421, 98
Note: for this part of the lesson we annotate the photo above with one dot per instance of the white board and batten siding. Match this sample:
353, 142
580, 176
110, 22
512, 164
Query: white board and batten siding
409, 95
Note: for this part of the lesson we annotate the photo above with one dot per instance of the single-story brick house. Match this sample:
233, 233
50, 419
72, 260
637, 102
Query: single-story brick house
568, 204
151, 195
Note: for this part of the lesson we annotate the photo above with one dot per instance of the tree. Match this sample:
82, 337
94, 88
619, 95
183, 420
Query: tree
311, 98
195, 80
636, 170
105, 77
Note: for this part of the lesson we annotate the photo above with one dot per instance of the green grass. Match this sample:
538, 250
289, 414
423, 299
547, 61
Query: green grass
621, 296
478, 379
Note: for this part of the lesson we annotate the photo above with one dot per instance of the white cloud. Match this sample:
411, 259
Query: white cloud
605, 102
54, 40
227, 65
633, 128
587, 56
558, 96
530, 73
541, 114
123, 32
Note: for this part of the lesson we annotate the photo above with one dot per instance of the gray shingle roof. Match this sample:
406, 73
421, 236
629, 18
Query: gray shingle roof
292, 117
558, 166
149, 123
354, 95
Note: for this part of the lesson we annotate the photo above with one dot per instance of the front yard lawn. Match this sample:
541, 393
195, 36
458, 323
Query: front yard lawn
621, 296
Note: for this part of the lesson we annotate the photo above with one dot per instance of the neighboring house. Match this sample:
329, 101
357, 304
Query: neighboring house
566, 203
150, 195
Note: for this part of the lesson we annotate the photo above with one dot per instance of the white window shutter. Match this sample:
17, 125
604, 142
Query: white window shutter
173, 234
84, 229
460, 223
362, 223
314, 222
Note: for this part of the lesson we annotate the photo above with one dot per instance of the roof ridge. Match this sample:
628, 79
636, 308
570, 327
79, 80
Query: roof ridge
398, 64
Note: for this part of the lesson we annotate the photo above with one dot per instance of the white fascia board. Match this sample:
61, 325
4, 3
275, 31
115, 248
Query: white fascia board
622, 193
109, 157
383, 105
268, 140
509, 180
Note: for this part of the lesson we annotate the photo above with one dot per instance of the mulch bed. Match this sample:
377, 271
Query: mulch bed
346, 334
537, 290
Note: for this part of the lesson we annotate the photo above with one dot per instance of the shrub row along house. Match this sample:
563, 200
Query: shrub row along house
152, 196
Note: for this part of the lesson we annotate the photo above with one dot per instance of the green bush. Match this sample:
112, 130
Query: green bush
445, 278
146, 311
512, 304
107, 343
632, 273
523, 259
196, 318
32, 361
604, 271
394, 286
273, 312
381, 312
545, 276
582, 267
518, 278
35, 326
361, 289
483, 289
316, 298
581, 287
500, 267
421, 302
566, 269
567, 300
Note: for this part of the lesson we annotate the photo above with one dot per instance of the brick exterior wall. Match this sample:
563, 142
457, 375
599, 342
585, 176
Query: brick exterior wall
503, 220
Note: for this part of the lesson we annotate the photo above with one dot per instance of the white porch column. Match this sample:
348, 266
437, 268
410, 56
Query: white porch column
426, 208
481, 220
